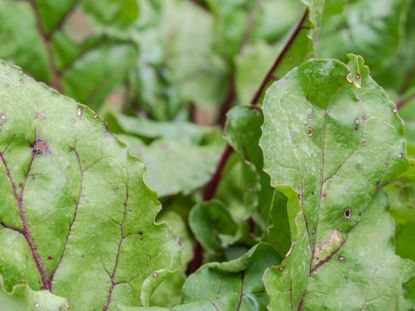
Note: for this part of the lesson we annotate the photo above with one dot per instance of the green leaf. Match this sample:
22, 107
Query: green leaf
187, 36
22, 296
189, 166
241, 277
366, 27
364, 274
48, 32
212, 225
63, 175
118, 13
148, 129
20, 42
250, 72
331, 138
102, 70
232, 285
265, 205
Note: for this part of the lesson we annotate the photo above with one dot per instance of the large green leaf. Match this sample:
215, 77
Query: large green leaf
331, 138
63, 175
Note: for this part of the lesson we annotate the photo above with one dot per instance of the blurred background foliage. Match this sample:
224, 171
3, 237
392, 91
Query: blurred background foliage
164, 73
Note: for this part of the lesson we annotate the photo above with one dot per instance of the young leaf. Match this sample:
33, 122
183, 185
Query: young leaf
232, 285
63, 175
241, 277
331, 138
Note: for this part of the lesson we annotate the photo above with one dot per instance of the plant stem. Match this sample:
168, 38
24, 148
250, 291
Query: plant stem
279, 59
210, 188
227, 103
56, 77
231, 94
401, 102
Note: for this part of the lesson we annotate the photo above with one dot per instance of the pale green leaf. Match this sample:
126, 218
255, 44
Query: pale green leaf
331, 138
63, 175
188, 167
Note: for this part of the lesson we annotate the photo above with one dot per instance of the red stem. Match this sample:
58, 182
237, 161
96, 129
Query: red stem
56, 77
210, 188
279, 59
227, 103
400, 103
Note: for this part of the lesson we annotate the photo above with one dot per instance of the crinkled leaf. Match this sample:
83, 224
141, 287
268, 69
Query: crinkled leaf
242, 276
22, 298
232, 285
188, 167
64, 175
331, 138
147, 129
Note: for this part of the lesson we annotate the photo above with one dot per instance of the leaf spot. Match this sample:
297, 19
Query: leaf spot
310, 131
3, 116
356, 123
347, 214
341, 258
40, 116
41, 147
